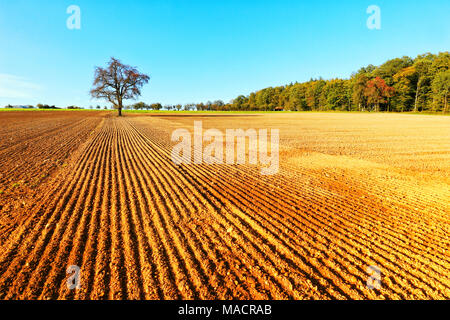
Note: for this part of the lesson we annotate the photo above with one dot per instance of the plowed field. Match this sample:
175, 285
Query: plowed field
100, 192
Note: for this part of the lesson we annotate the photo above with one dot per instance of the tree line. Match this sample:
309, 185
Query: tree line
399, 85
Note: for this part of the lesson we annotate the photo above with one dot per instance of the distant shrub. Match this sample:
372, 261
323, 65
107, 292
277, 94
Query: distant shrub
46, 106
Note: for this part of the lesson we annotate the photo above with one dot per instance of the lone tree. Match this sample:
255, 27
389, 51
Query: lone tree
118, 82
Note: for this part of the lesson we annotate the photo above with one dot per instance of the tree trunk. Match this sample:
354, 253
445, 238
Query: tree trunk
417, 96
445, 104
120, 107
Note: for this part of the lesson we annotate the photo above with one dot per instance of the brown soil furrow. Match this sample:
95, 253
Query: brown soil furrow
175, 253
188, 184
57, 243
244, 207
47, 196
164, 273
126, 209
406, 211
261, 209
274, 199
252, 175
44, 219
118, 279
98, 279
28, 171
150, 283
74, 240
84, 253
392, 245
237, 225
18, 168
134, 165
142, 227
240, 193
21, 142
185, 211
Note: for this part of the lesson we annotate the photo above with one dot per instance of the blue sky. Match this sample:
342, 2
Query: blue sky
198, 50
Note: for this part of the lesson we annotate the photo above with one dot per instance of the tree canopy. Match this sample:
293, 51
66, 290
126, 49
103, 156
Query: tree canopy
118, 82
400, 84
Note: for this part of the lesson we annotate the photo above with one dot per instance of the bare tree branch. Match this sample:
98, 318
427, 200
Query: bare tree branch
118, 82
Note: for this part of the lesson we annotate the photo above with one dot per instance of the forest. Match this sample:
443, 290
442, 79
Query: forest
401, 84
398, 85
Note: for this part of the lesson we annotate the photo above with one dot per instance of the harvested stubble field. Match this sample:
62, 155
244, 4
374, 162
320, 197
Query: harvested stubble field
101, 192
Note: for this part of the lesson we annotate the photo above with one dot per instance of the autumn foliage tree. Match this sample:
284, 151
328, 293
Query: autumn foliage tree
377, 92
118, 82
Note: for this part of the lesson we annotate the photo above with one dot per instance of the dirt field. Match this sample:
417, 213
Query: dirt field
100, 192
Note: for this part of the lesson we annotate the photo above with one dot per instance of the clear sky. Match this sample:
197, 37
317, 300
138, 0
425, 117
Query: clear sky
203, 50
